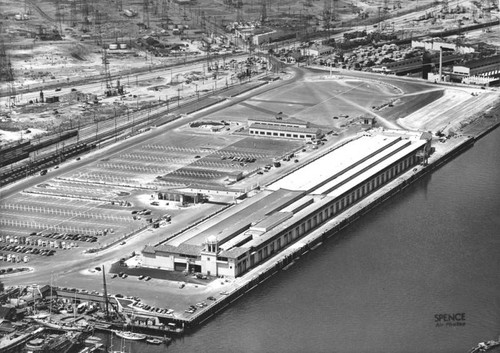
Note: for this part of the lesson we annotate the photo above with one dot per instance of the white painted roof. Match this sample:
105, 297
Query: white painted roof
361, 167
377, 168
311, 175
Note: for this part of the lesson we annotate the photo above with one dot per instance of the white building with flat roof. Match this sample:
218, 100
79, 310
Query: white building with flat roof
246, 234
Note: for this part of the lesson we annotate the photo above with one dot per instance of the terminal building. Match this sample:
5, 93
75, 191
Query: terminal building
282, 126
248, 233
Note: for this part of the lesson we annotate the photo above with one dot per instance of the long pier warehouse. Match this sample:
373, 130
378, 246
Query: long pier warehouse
244, 235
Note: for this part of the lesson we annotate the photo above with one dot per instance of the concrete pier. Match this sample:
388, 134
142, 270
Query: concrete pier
311, 241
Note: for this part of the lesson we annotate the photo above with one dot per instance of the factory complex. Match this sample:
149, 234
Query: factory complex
246, 234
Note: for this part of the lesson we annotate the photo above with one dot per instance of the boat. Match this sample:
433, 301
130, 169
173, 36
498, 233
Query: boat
130, 335
152, 340
52, 343
62, 327
485, 346
81, 308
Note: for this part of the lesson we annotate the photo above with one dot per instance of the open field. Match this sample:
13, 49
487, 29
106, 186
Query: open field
452, 111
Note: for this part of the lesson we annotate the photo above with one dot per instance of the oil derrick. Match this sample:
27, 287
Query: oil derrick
6, 73
203, 21
97, 26
84, 10
334, 7
263, 14
94, 16
155, 7
386, 8
239, 10
58, 17
164, 14
145, 13
107, 75
487, 10
72, 14
445, 8
327, 13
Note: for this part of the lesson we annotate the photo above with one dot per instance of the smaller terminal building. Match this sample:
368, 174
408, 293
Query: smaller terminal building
283, 126
250, 232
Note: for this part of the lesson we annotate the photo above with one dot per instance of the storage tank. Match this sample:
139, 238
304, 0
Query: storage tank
123, 45
113, 46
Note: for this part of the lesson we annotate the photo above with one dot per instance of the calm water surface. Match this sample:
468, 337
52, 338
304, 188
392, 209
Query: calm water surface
377, 286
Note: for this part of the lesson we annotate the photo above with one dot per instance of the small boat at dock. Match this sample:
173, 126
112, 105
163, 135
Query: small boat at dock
130, 335
152, 340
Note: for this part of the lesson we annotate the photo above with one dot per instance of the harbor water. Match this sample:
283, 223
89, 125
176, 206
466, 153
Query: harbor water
420, 273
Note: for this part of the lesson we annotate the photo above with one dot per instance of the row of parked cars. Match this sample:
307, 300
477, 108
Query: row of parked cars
124, 275
240, 159
27, 250
82, 291
67, 236
192, 308
143, 212
153, 309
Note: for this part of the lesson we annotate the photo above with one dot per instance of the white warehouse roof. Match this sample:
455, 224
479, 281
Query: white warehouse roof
339, 160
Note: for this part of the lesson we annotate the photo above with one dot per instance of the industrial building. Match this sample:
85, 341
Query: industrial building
248, 233
417, 64
317, 50
480, 71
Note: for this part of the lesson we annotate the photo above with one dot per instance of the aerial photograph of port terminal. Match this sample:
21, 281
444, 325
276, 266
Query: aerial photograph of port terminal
249, 176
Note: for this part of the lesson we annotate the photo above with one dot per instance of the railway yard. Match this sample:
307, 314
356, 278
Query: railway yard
142, 145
